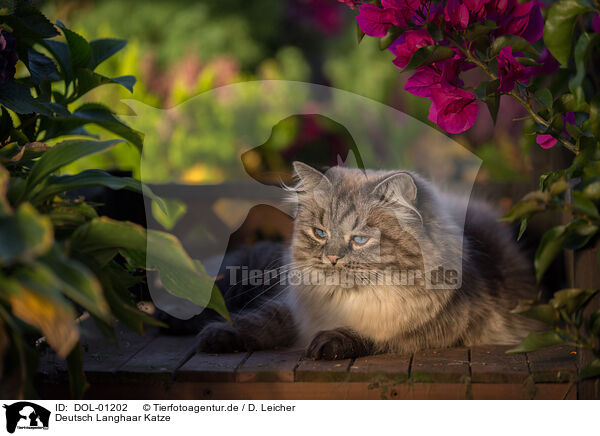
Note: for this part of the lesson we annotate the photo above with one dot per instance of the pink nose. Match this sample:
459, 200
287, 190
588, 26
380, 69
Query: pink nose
333, 259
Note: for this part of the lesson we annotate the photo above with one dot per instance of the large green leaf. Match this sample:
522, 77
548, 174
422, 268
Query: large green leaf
79, 49
104, 48
535, 341
41, 67
77, 380
591, 370
24, 235
88, 80
63, 154
516, 42
572, 299
150, 250
17, 97
583, 47
558, 29
78, 283
87, 178
550, 245
29, 22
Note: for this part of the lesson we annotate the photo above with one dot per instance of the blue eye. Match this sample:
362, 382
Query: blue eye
321, 234
360, 240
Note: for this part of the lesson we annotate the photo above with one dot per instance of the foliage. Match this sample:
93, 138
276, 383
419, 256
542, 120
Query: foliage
546, 58
58, 258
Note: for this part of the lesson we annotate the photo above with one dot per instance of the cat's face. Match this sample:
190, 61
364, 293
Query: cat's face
353, 221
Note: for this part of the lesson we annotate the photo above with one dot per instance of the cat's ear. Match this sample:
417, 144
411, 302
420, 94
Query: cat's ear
398, 188
309, 178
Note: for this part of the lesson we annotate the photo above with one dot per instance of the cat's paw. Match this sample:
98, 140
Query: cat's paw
219, 337
333, 345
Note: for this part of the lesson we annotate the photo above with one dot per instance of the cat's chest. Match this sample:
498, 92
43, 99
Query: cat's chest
376, 313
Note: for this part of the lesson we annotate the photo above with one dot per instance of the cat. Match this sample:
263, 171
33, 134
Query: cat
365, 226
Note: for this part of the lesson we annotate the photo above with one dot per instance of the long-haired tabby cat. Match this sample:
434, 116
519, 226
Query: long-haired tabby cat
362, 225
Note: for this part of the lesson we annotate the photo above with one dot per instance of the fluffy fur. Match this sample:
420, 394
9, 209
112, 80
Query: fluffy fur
376, 222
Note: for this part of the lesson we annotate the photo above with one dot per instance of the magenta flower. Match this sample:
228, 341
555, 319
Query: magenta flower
375, 21
453, 109
496, 8
546, 141
546, 64
524, 20
423, 81
407, 44
404, 10
351, 3
596, 23
476, 7
510, 71
457, 14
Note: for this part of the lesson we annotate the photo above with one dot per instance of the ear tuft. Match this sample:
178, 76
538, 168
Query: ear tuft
400, 184
308, 177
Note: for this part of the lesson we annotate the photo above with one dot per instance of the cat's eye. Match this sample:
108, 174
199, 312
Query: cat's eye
321, 234
360, 240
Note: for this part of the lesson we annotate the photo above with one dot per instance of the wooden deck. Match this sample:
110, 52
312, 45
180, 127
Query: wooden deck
144, 368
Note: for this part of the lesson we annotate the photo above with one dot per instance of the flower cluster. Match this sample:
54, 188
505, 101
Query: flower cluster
453, 108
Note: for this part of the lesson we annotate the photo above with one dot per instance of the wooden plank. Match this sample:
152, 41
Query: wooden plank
158, 359
500, 391
322, 370
269, 366
203, 367
491, 364
554, 364
380, 367
101, 355
555, 391
443, 366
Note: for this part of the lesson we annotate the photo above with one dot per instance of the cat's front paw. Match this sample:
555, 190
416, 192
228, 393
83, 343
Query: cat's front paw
219, 337
335, 345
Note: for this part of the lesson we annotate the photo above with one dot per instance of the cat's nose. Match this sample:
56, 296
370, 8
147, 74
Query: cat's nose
333, 258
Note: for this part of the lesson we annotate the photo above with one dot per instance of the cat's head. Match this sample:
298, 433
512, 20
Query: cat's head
349, 219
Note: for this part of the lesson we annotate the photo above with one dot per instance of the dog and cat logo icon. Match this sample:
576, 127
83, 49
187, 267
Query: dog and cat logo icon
26, 415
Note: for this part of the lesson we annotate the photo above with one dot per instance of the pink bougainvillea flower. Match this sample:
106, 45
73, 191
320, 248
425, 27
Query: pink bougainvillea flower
524, 20
422, 81
546, 141
407, 44
476, 7
457, 14
404, 10
496, 8
596, 23
510, 71
546, 64
375, 21
453, 109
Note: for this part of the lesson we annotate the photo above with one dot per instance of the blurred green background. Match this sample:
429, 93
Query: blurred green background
180, 48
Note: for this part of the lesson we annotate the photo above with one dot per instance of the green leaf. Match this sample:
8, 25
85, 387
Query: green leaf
516, 42
78, 283
542, 312
151, 250
88, 80
594, 322
24, 235
63, 154
535, 341
428, 55
550, 245
572, 299
544, 96
522, 209
359, 34
79, 49
104, 48
492, 98
558, 29
17, 97
77, 380
584, 205
28, 22
5, 208
583, 47
591, 370
168, 216
88, 178
41, 67
60, 52
392, 35
592, 191
578, 234
522, 228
